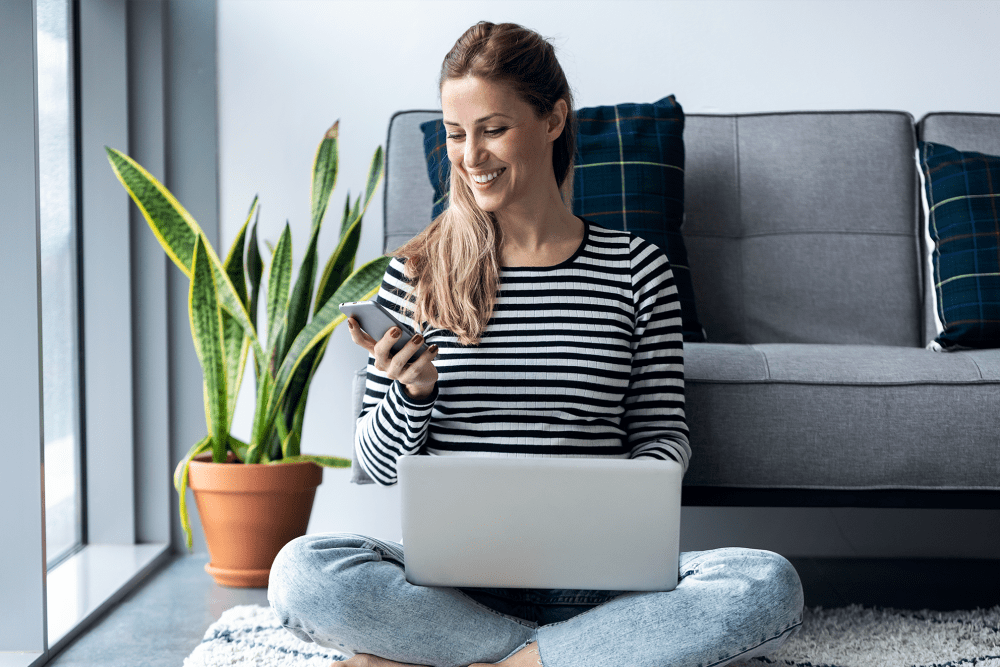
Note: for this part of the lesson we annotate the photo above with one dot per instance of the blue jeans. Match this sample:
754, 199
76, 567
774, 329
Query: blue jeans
349, 592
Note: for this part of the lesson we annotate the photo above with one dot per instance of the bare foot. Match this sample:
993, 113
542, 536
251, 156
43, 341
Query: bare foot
367, 660
526, 657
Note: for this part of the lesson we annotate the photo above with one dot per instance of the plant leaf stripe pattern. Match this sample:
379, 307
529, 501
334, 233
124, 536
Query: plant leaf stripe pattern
581, 359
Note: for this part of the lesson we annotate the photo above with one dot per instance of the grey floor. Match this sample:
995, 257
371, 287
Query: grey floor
164, 619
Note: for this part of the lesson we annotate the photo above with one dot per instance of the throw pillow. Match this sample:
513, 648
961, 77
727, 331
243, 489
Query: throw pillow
961, 198
438, 166
628, 175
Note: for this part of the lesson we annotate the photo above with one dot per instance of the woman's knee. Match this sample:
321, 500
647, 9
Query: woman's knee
778, 586
309, 571
765, 577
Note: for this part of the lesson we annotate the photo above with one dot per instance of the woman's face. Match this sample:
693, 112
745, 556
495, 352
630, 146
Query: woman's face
496, 143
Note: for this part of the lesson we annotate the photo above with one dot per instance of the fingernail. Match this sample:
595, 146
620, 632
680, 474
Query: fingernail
415, 339
395, 333
350, 324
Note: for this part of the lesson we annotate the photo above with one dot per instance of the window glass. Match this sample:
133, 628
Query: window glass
64, 529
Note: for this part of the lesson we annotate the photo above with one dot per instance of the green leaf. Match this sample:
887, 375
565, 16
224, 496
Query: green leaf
294, 404
325, 461
210, 346
277, 286
239, 448
255, 270
361, 285
172, 225
236, 343
181, 484
298, 304
261, 429
339, 266
346, 221
341, 262
375, 170
324, 174
234, 260
236, 348
177, 231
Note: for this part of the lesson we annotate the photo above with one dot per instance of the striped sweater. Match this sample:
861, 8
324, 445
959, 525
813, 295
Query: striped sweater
583, 359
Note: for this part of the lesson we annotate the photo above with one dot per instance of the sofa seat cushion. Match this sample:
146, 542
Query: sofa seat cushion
878, 417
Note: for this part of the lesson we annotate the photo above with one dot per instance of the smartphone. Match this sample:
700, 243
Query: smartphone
375, 319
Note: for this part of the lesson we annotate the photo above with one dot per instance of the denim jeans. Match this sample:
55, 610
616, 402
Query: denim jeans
348, 592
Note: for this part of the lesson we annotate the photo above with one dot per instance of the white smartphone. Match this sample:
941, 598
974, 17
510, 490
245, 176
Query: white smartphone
375, 319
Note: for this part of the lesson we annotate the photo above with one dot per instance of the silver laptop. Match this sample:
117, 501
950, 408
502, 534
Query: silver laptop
541, 522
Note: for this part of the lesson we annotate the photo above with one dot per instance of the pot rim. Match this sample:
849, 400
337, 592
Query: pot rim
236, 477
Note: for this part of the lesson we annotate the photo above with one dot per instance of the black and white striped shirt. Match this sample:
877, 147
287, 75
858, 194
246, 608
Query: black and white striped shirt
582, 359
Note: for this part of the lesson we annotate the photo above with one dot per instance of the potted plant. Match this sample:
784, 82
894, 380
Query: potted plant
250, 511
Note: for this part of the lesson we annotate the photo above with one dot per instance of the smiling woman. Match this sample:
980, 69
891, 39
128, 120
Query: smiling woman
553, 337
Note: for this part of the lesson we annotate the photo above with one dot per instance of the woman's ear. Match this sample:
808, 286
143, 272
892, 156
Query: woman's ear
557, 119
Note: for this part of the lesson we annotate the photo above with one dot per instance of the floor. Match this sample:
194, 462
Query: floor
161, 622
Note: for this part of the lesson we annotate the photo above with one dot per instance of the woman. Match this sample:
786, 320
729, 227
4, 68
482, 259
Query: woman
551, 337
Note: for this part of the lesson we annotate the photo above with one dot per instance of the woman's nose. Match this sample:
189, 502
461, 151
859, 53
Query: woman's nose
475, 152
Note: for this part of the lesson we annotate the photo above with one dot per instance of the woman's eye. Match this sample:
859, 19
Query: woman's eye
495, 132
454, 136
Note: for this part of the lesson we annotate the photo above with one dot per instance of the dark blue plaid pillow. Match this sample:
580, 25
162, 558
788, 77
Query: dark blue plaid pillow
962, 211
438, 167
628, 175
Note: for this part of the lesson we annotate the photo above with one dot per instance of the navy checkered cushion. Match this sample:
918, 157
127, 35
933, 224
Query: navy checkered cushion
628, 175
438, 167
962, 211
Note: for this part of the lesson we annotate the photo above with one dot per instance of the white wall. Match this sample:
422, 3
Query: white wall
288, 69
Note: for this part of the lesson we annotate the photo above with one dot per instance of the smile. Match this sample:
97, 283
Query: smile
486, 178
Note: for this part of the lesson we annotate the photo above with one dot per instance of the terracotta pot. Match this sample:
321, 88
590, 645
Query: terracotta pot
248, 512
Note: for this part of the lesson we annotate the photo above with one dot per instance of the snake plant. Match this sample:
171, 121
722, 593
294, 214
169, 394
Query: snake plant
223, 311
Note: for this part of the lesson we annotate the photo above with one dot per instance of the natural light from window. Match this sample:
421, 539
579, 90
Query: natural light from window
60, 357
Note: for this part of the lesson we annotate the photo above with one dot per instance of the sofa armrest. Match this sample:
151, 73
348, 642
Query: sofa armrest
358, 475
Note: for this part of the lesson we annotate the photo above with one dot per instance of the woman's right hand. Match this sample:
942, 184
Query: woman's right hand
418, 377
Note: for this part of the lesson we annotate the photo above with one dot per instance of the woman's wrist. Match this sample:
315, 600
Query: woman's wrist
418, 392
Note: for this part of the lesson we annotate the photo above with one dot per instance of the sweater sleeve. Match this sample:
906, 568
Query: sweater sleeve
654, 403
391, 423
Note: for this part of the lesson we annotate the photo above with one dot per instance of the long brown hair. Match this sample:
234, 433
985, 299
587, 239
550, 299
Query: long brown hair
454, 264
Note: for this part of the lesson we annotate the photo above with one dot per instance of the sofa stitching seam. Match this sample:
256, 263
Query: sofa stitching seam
742, 230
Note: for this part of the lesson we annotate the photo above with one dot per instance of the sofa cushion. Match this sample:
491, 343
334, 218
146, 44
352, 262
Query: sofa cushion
628, 175
802, 227
879, 417
961, 197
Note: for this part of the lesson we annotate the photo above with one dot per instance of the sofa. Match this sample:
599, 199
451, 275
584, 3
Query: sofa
807, 250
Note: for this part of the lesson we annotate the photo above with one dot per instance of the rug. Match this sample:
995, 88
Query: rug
852, 636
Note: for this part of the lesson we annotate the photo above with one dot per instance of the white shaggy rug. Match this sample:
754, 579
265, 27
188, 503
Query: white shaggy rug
845, 637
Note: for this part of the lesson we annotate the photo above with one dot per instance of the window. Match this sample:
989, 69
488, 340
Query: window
64, 527
81, 530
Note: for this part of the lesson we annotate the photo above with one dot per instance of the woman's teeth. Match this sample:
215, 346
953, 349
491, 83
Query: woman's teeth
486, 178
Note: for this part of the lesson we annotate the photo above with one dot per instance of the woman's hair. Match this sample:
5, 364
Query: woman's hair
454, 264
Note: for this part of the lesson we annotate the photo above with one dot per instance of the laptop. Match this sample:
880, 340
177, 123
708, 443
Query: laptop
540, 522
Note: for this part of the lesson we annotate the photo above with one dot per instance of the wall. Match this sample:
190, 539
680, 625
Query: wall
288, 69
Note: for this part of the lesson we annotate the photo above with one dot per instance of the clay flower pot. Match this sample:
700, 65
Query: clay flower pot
248, 512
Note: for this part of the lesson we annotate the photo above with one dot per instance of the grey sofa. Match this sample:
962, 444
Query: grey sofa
804, 236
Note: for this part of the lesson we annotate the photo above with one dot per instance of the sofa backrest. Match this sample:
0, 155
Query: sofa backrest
409, 197
965, 132
800, 227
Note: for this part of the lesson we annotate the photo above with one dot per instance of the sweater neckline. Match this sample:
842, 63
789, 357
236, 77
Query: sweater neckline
562, 264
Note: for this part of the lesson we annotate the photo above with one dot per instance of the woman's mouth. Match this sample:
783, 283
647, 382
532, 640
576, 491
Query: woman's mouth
486, 180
